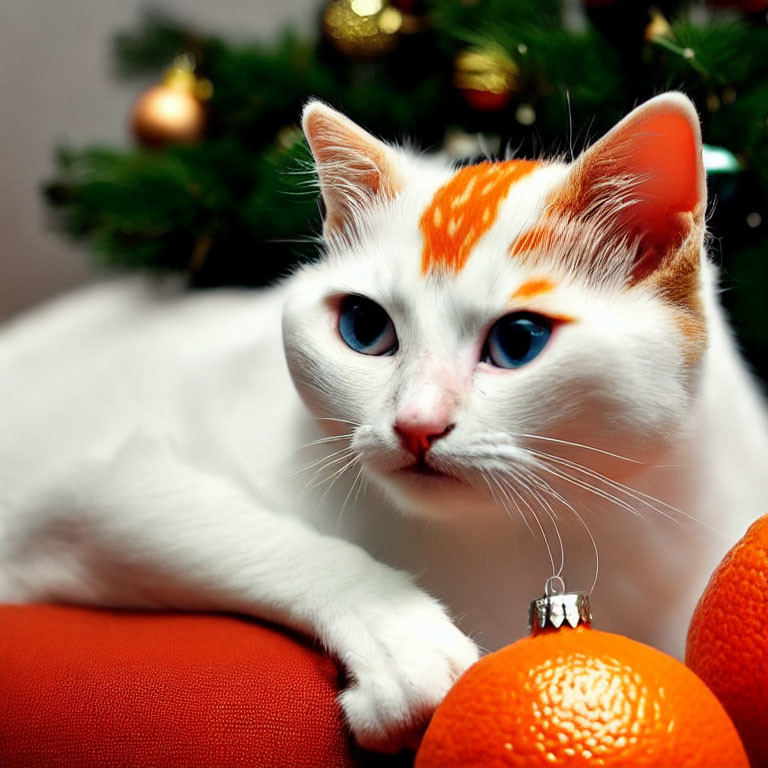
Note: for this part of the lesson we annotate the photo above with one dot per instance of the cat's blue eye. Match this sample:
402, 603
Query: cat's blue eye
366, 327
516, 339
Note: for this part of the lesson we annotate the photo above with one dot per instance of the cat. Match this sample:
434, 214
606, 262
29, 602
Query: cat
493, 375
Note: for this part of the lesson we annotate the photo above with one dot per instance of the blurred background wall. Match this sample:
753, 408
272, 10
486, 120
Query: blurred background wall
56, 86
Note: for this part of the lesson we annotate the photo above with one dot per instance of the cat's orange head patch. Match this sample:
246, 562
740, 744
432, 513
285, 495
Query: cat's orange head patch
532, 288
463, 210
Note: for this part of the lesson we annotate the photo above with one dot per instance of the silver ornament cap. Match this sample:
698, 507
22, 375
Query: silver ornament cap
557, 607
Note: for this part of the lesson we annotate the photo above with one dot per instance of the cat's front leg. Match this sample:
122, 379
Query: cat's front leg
401, 651
150, 530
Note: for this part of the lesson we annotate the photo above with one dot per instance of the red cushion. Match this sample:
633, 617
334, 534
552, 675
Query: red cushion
82, 687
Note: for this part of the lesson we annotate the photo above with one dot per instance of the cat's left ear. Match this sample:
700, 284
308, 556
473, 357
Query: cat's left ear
649, 171
355, 169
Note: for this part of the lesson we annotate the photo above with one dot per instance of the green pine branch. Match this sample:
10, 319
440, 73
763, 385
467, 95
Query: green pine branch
240, 207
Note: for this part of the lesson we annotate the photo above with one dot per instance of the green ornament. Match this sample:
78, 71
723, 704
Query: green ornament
719, 160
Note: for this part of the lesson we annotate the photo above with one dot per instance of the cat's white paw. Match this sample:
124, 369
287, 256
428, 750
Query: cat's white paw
404, 656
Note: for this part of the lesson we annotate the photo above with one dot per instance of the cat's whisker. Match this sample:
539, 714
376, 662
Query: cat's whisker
318, 465
344, 463
362, 485
643, 498
491, 490
321, 440
636, 495
346, 499
519, 495
591, 488
510, 489
510, 501
320, 461
549, 489
490, 487
307, 240
528, 475
313, 482
549, 511
337, 419
505, 487
334, 477
340, 459
575, 445
306, 192
505, 505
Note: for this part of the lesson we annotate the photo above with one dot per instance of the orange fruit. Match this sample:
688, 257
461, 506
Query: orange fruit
580, 697
728, 638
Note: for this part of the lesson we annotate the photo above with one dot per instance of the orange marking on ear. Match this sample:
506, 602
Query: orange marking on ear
473, 196
532, 288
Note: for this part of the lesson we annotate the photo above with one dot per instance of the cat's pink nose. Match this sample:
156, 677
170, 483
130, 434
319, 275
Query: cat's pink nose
418, 438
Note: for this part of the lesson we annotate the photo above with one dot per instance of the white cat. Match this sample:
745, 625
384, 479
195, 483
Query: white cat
486, 360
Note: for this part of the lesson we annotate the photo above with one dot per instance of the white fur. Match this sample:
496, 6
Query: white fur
154, 452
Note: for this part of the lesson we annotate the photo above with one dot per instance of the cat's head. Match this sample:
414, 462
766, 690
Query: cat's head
474, 329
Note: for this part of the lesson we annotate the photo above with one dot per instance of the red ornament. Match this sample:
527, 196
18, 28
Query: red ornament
486, 101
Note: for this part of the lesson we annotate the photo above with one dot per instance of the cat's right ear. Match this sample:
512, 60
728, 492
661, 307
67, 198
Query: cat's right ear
355, 169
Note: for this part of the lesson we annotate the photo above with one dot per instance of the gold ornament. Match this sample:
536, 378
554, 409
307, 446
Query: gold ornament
487, 79
658, 27
362, 29
172, 112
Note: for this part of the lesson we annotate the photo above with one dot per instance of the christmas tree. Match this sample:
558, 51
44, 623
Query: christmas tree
219, 184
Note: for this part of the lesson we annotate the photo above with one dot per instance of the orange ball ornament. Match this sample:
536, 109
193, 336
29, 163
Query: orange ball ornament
165, 115
172, 112
575, 696
728, 638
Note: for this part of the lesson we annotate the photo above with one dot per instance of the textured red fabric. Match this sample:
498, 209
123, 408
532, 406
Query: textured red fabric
82, 687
